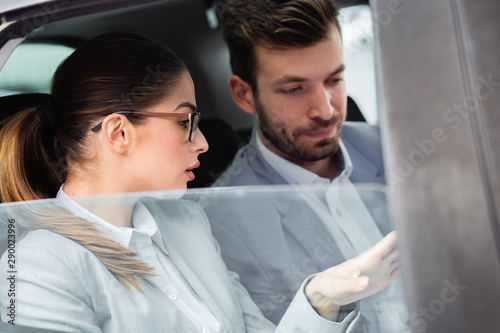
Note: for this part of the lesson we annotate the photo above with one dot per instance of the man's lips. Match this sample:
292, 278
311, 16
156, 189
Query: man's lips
322, 133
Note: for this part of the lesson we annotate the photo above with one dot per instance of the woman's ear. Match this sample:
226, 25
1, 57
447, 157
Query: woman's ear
242, 93
117, 131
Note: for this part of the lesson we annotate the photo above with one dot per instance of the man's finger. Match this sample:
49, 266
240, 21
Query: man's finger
395, 274
392, 256
385, 246
394, 265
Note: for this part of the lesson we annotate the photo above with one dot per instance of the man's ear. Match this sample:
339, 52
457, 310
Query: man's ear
242, 93
117, 132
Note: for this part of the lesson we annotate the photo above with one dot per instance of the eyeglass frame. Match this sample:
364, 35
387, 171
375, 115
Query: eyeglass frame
193, 119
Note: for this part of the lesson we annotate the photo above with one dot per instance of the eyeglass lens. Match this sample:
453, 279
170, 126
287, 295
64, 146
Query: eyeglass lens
193, 122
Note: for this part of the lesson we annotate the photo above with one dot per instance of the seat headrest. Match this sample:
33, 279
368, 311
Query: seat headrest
224, 143
12, 104
353, 111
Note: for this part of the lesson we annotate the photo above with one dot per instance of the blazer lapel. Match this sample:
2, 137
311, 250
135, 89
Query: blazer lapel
199, 288
192, 251
364, 171
309, 242
306, 236
264, 173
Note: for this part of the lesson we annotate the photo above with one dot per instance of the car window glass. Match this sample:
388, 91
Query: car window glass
30, 68
253, 225
357, 34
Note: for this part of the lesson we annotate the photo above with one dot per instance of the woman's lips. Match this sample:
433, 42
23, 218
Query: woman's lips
189, 172
190, 175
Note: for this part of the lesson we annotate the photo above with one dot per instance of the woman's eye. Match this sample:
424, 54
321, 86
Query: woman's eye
184, 123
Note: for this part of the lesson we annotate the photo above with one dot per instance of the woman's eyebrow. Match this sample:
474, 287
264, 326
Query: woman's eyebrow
186, 105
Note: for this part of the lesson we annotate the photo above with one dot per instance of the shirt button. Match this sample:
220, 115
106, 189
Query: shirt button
149, 252
173, 297
205, 330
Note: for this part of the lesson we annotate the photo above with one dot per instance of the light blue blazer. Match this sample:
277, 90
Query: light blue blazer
273, 243
61, 286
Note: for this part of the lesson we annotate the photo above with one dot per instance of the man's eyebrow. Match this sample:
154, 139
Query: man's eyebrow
289, 79
298, 79
340, 69
186, 105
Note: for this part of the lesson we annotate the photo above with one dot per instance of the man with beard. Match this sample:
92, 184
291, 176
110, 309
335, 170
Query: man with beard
287, 64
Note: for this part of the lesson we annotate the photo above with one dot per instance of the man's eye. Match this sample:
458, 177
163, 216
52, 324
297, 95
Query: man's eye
336, 80
292, 90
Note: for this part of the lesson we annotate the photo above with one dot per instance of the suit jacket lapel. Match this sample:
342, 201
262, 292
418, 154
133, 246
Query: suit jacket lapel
265, 174
294, 231
198, 287
302, 229
363, 171
180, 241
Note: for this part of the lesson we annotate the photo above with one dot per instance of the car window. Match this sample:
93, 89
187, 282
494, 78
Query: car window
10, 5
436, 187
30, 68
357, 34
256, 229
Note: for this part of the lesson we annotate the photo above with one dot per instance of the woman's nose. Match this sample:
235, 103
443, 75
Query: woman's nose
199, 144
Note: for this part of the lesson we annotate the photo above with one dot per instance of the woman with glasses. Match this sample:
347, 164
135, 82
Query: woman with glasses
122, 117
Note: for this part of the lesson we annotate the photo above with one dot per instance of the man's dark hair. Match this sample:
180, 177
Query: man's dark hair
273, 24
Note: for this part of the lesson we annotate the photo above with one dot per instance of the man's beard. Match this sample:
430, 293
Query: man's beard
275, 132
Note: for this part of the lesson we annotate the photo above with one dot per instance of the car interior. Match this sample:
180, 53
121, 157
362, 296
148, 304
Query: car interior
190, 28
416, 68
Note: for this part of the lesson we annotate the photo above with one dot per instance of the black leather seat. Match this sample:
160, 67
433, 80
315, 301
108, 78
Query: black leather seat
12, 104
223, 140
224, 144
353, 111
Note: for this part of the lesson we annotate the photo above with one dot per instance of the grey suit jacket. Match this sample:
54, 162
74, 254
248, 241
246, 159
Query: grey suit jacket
61, 286
274, 242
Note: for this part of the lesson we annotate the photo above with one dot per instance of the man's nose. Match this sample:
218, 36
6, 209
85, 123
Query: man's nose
321, 104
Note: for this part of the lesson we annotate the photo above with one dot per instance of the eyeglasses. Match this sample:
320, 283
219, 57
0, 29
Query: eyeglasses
193, 118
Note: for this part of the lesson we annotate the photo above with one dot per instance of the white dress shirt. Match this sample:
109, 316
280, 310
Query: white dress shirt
145, 240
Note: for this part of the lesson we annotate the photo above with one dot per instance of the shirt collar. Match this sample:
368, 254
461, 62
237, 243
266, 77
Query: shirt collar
295, 174
142, 221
